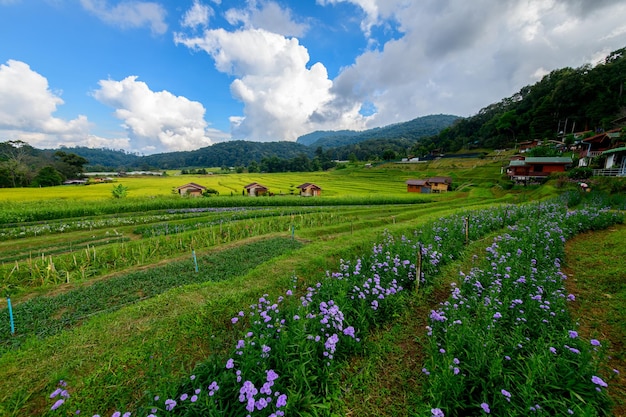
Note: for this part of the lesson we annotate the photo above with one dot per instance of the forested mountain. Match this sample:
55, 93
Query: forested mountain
311, 138
226, 154
565, 101
106, 159
413, 130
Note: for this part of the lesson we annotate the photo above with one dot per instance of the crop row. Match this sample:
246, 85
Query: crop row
504, 343
15, 212
45, 316
290, 348
90, 262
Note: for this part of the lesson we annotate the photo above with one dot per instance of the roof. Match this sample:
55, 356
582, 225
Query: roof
440, 180
191, 185
548, 160
614, 150
308, 185
416, 182
254, 185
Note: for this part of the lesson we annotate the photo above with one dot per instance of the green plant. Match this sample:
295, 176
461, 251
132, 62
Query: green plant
119, 191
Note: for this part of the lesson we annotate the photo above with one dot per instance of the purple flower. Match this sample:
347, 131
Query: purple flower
194, 398
57, 404
116, 414
595, 342
184, 397
281, 401
497, 315
436, 412
234, 320
170, 404
598, 381
456, 370
485, 408
230, 364
56, 392
424, 370
506, 394
573, 334
553, 350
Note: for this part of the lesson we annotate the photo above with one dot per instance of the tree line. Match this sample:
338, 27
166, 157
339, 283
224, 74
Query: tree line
21, 165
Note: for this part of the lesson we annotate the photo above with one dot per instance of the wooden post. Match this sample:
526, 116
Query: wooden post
466, 230
418, 269
195, 260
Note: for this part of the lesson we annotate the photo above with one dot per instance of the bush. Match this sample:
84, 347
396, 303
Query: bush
581, 173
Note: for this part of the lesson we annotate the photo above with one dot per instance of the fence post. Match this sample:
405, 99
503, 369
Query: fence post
11, 315
195, 260
466, 230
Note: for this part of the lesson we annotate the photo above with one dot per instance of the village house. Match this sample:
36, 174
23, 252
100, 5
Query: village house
255, 189
191, 189
430, 185
528, 145
615, 163
309, 190
532, 169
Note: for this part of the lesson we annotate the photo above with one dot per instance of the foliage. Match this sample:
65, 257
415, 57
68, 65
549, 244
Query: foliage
119, 191
47, 177
580, 173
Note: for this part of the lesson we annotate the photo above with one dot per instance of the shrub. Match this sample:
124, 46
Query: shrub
580, 173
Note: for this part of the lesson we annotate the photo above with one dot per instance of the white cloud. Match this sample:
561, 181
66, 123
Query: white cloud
155, 121
267, 15
456, 57
129, 14
27, 105
369, 7
197, 15
283, 98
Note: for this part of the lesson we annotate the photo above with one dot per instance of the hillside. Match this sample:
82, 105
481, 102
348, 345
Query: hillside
565, 101
412, 130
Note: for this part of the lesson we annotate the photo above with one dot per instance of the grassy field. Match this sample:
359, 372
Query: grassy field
135, 320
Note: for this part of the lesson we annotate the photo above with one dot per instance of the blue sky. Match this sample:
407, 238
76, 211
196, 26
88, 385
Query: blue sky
160, 76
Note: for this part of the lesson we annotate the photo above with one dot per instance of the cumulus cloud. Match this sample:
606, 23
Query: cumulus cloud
197, 15
129, 14
267, 15
155, 121
281, 94
27, 105
453, 57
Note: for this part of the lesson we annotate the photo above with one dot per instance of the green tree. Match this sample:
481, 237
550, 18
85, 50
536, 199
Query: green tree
47, 177
70, 165
119, 191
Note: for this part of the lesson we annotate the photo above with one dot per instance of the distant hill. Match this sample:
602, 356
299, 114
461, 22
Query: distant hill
225, 154
105, 159
311, 138
412, 130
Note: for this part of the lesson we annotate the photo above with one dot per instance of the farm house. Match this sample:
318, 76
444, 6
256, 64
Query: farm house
309, 190
191, 189
430, 185
255, 189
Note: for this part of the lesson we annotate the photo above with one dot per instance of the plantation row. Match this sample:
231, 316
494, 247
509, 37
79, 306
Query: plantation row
25, 212
90, 262
290, 349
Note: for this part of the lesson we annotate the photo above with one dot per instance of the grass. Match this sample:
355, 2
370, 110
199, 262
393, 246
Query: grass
124, 356
596, 265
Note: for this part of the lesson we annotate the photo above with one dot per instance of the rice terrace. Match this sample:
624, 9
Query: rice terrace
363, 301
